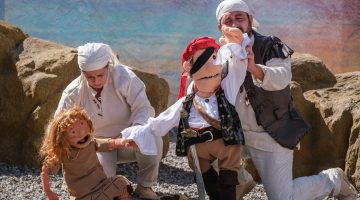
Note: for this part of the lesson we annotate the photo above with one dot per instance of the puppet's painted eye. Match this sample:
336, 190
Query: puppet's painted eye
216, 59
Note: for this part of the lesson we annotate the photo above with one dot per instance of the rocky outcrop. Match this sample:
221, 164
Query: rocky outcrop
33, 74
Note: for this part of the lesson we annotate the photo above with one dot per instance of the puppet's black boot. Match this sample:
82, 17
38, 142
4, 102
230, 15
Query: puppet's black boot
210, 178
227, 184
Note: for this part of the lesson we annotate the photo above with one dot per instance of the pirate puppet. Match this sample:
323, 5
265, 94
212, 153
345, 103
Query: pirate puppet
206, 117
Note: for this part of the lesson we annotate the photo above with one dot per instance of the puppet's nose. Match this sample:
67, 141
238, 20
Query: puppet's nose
83, 132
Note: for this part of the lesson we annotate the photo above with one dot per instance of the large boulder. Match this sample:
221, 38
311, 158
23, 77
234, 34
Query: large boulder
310, 72
34, 74
328, 103
43, 68
333, 113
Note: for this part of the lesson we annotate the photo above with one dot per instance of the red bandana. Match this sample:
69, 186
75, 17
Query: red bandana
194, 45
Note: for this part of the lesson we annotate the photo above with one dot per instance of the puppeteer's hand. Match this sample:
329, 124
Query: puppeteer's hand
231, 35
251, 57
253, 68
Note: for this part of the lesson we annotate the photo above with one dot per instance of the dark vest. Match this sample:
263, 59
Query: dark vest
231, 130
274, 110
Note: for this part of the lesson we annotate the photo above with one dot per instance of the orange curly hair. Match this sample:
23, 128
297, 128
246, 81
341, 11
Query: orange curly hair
54, 146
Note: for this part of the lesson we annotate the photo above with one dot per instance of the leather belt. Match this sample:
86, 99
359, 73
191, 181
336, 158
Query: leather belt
207, 134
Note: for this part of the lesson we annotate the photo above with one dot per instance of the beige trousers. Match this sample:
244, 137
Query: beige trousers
228, 157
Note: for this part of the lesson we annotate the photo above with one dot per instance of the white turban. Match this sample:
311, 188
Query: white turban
93, 56
230, 6
227, 6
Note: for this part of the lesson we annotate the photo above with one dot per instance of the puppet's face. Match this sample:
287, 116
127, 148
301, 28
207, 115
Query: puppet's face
78, 135
208, 78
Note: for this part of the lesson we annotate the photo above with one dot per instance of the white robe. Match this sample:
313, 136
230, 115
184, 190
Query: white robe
123, 101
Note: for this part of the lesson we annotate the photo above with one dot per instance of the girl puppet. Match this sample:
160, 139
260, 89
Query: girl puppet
206, 117
68, 143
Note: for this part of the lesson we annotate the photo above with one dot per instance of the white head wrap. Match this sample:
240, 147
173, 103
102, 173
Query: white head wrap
94, 56
227, 6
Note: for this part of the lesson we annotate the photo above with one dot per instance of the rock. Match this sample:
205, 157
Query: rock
310, 72
334, 116
351, 122
44, 69
34, 74
10, 37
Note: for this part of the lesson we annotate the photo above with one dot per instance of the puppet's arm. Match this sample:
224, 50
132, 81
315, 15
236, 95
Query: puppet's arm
122, 142
109, 144
45, 179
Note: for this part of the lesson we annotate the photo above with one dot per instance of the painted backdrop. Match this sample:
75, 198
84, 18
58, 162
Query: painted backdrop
150, 34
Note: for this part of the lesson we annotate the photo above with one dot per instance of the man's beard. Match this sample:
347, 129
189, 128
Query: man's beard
248, 32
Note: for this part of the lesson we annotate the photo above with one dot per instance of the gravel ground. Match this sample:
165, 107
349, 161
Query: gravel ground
174, 177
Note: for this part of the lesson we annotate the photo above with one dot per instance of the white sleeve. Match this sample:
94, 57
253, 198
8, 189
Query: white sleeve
69, 98
277, 74
65, 103
236, 56
145, 135
141, 134
71, 95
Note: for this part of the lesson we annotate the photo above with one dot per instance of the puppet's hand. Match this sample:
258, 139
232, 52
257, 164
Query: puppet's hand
121, 142
231, 35
51, 195
131, 144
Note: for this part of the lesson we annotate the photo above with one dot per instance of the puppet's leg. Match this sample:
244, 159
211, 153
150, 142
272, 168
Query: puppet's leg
227, 184
211, 182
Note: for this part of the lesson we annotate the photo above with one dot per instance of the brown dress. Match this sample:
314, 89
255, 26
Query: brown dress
85, 177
